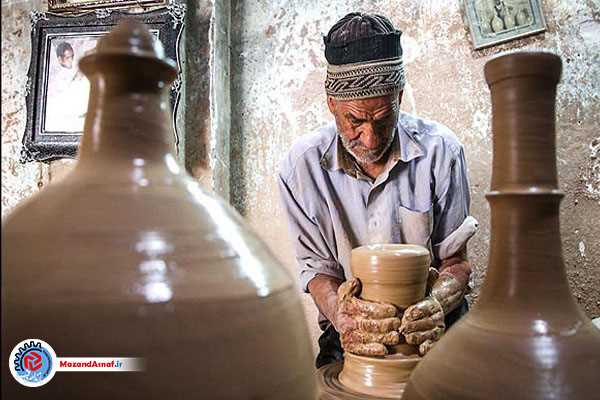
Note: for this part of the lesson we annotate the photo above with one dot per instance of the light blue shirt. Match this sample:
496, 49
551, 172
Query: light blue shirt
421, 197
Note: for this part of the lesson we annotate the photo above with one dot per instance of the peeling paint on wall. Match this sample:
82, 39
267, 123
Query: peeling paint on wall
591, 175
582, 249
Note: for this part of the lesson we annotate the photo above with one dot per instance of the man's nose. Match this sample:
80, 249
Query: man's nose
368, 137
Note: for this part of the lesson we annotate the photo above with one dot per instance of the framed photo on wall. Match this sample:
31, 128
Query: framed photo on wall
57, 91
497, 21
67, 6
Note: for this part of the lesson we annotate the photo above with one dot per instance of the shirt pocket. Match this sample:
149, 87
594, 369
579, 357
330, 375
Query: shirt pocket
415, 226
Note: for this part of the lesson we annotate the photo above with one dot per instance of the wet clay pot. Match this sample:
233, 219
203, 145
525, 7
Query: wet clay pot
526, 338
129, 257
392, 273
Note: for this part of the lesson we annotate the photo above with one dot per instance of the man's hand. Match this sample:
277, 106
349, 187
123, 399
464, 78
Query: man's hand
423, 322
365, 327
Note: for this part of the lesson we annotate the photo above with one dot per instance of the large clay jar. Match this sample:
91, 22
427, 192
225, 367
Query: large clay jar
391, 273
129, 257
526, 338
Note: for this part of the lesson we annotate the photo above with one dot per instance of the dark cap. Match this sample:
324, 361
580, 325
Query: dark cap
360, 37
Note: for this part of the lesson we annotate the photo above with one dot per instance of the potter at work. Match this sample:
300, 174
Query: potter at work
375, 175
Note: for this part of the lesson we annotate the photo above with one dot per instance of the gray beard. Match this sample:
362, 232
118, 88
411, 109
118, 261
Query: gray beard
369, 156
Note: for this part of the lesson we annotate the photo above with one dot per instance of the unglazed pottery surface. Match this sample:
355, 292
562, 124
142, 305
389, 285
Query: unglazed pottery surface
330, 387
129, 257
526, 338
392, 273
380, 377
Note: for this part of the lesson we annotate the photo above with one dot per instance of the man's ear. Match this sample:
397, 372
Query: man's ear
331, 104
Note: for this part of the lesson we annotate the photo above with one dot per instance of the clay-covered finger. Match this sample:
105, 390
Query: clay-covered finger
448, 290
348, 289
358, 336
421, 310
417, 338
426, 346
379, 325
454, 298
371, 309
366, 349
424, 324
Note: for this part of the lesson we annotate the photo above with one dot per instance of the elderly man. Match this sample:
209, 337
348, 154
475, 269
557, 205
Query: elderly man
376, 175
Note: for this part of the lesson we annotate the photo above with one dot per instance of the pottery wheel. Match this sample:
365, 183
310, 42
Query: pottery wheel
330, 387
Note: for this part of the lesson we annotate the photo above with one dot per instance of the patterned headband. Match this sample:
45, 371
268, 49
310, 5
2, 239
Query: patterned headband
363, 80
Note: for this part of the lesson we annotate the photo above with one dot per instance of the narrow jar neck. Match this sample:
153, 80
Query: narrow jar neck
523, 125
525, 263
126, 123
526, 267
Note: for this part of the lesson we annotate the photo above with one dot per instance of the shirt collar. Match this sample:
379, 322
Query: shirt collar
405, 148
410, 147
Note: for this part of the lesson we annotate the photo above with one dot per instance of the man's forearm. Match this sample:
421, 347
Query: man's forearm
453, 281
323, 289
460, 269
458, 266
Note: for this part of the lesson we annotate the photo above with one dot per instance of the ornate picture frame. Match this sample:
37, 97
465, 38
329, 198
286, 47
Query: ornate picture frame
57, 93
493, 22
70, 6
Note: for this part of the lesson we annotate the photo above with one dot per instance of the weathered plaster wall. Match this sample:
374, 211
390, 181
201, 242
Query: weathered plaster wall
18, 181
277, 94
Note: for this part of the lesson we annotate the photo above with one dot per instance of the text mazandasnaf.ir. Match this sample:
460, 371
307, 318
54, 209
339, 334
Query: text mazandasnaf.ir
100, 364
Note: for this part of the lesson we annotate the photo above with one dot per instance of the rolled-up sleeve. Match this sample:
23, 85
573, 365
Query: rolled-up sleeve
312, 252
453, 226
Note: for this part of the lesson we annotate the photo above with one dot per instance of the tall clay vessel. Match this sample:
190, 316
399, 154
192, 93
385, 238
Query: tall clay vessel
129, 257
526, 338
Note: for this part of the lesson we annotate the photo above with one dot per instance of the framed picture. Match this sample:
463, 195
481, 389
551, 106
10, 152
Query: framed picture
497, 21
69, 6
57, 92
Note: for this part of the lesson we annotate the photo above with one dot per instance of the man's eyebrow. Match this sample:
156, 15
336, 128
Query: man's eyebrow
350, 115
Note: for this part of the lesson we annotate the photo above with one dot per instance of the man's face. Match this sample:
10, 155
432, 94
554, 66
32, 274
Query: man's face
366, 126
66, 60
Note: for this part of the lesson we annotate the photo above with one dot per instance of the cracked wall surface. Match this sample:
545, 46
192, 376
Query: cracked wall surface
278, 71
